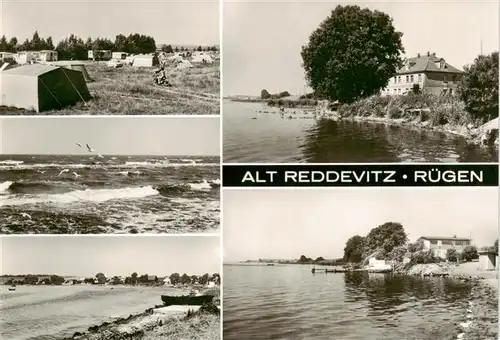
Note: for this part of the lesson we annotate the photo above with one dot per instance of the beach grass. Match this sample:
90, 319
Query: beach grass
199, 327
130, 91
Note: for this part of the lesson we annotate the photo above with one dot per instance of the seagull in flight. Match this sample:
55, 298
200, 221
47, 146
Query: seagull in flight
25, 215
100, 156
80, 145
40, 171
63, 171
89, 148
76, 175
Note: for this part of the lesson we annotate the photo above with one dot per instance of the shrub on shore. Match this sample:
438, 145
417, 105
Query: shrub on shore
422, 107
290, 103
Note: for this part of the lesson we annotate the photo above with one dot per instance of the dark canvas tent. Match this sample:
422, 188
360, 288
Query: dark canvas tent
42, 87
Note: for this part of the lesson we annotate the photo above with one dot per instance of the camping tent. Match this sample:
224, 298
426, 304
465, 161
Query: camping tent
184, 64
145, 60
42, 87
202, 58
74, 65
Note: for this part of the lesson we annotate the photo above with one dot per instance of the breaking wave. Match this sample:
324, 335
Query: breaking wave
172, 189
11, 162
89, 195
21, 166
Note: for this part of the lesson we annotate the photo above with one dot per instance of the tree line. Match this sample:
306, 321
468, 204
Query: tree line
170, 49
133, 279
355, 51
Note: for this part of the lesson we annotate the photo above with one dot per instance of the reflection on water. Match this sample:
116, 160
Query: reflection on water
288, 302
270, 138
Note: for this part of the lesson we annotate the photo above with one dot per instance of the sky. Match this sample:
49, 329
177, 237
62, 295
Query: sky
168, 22
262, 40
111, 255
166, 136
285, 224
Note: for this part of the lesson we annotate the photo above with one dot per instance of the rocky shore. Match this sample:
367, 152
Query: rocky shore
174, 322
480, 320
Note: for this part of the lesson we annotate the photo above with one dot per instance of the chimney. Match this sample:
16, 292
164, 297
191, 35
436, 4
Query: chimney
418, 55
428, 53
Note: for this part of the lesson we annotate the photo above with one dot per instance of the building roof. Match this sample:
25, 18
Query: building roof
444, 238
152, 277
32, 70
426, 63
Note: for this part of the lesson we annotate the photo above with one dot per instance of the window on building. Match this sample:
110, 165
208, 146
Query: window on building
411, 78
419, 78
434, 242
445, 78
399, 79
407, 79
447, 242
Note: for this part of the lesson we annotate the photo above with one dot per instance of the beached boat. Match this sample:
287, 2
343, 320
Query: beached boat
270, 264
12, 288
184, 300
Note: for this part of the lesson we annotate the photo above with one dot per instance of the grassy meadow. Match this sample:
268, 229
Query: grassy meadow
130, 91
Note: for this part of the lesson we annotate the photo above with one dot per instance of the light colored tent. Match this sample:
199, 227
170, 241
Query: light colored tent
119, 55
42, 87
74, 65
184, 64
202, 58
144, 60
5, 66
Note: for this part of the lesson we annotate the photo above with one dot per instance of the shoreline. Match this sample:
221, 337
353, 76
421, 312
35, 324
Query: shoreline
476, 135
156, 323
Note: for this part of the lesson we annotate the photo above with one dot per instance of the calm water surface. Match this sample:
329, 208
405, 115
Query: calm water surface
52, 312
273, 139
288, 302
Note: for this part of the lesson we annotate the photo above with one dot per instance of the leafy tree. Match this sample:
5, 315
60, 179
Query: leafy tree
101, 278
384, 239
204, 279
416, 88
478, 87
194, 279
452, 255
319, 259
352, 54
353, 251
176, 49
264, 94
199, 49
185, 279
56, 280
175, 278
167, 49
417, 246
216, 278
128, 280
470, 253
133, 278
495, 246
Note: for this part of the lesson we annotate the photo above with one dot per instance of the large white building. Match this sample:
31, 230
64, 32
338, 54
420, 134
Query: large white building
432, 74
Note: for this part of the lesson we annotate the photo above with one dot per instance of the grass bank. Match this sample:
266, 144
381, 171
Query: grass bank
161, 323
130, 91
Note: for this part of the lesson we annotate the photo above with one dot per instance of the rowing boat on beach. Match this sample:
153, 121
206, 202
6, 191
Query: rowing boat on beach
186, 300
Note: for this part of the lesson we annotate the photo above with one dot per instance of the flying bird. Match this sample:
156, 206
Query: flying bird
80, 145
89, 148
63, 171
42, 172
100, 156
76, 175
25, 215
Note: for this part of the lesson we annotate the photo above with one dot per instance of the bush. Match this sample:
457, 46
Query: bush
452, 255
470, 253
423, 257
